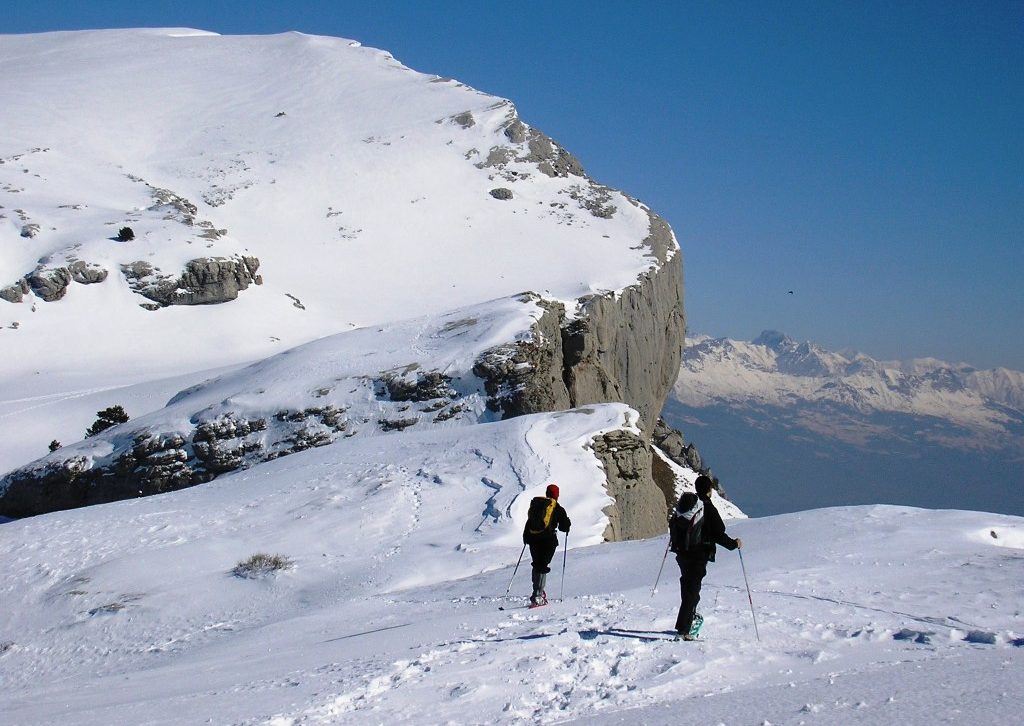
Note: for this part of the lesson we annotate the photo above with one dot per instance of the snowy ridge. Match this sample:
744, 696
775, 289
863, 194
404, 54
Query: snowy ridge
354, 384
338, 191
363, 189
792, 426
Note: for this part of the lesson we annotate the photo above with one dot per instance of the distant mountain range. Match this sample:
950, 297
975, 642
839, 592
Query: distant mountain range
788, 424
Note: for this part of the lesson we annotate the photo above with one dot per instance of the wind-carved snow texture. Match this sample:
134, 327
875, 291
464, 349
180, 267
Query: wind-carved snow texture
381, 617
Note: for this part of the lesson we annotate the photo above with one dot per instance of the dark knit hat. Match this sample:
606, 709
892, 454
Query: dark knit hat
552, 491
703, 485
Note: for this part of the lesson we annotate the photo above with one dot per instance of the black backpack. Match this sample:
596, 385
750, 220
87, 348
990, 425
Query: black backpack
541, 516
687, 524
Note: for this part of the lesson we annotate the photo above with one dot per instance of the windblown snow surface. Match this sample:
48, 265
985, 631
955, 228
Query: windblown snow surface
391, 610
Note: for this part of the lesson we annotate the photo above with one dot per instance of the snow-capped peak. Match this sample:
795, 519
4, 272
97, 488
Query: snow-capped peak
328, 184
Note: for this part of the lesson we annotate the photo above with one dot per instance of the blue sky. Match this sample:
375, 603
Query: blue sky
868, 156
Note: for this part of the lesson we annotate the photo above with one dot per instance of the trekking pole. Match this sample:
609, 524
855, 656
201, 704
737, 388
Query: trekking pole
663, 558
749, 599
515, 570
561, 589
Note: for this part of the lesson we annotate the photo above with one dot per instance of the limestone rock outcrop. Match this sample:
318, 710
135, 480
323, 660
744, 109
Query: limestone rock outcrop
624, 347
150, 463
641, 499
50, 282
15, 293
86, 273
204, 281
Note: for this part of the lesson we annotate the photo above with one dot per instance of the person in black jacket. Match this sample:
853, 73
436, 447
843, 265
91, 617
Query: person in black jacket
693, 564
546, 515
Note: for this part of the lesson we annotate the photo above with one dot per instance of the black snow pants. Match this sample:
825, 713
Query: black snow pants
542, 552
692, 569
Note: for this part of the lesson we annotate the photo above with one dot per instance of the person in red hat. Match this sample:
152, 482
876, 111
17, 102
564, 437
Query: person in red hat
544, 517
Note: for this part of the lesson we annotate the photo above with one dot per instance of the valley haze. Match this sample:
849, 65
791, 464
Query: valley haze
790, 425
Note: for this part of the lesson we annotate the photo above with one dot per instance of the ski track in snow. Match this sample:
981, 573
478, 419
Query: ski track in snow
594, 654
444, 653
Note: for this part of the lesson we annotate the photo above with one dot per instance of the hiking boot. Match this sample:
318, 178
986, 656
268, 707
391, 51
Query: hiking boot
687, 636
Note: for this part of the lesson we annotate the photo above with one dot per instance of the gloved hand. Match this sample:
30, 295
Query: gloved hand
739, 543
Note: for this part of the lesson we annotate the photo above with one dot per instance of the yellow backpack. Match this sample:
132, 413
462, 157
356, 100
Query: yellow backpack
540, 515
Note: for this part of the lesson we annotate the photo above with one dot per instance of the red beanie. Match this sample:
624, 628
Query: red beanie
552, 491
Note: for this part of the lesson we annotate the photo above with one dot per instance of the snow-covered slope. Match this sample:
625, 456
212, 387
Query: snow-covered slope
129, 613
407, 375
363, 189
788, 425
174, 202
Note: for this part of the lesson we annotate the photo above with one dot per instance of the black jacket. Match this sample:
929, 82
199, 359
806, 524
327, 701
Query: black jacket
714, 530
559, 520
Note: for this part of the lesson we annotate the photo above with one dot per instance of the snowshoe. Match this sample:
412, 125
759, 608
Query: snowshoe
698, 621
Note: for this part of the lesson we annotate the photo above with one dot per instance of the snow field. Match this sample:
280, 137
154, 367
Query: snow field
861, 654
139, 621
341, 170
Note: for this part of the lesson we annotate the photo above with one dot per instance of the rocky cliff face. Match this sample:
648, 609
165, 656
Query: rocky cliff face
640, 503
622, 347
625, 347
619, 347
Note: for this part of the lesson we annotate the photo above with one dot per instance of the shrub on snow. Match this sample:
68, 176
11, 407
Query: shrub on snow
261, 565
